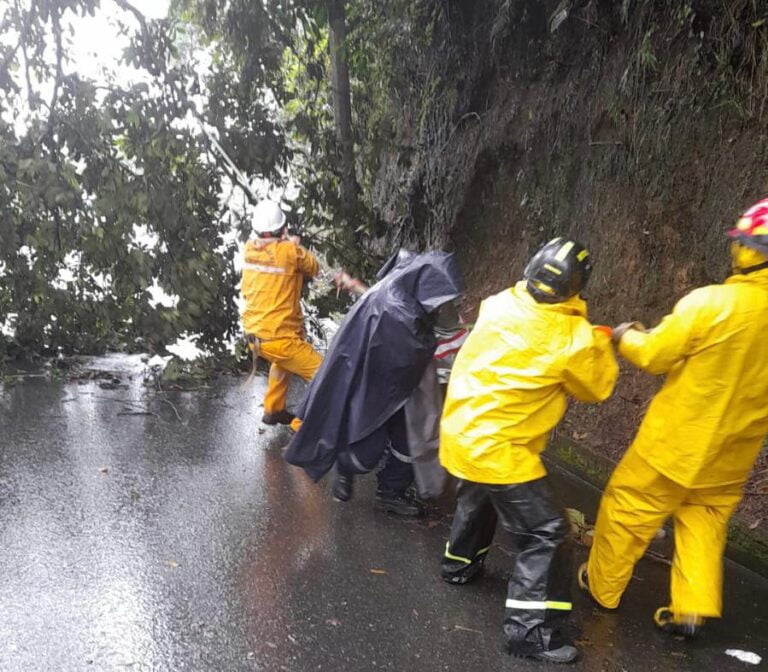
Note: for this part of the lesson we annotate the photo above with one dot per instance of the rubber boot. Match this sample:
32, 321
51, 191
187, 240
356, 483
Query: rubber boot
465, 575
390, 501
278, 418
582, 577
682, 625
342, 487
563, 655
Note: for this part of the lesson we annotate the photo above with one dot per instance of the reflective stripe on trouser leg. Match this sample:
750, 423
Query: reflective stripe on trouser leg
472, 530
701, 527
534, 605
458, 558
362, 456
538, 593
397, 473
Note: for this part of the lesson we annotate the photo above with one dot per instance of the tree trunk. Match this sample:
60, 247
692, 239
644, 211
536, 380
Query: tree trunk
342, 105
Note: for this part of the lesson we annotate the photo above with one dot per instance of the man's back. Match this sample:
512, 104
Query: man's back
713, 350
509, 383
273, 276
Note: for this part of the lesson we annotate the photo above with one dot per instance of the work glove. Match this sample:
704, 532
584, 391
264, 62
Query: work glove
623, 328
603, 329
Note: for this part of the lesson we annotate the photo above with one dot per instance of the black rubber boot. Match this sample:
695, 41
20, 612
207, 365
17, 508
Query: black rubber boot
464, 575
279, 418
682, 626
342, 487
582, 577
398, 503
563, 655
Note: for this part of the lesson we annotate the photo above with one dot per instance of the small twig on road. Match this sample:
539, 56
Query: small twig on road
463, 629
138, 413
175, 410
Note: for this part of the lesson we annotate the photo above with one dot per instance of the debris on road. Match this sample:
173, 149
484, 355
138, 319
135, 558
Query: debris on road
744, 656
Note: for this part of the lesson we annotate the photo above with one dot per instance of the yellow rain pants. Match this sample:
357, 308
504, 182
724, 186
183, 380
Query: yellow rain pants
287, 355
636, 503
696, 445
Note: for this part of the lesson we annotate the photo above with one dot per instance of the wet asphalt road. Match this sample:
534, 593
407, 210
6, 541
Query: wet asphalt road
133, 538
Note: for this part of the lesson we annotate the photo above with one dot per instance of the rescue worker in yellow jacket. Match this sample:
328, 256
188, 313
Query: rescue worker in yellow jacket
699, 439
531, 347
274, 268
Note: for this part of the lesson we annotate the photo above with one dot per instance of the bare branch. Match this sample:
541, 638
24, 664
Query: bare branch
128, 7
56, 21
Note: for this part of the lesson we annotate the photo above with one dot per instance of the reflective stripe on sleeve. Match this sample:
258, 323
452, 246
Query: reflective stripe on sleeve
261, 268
531, 604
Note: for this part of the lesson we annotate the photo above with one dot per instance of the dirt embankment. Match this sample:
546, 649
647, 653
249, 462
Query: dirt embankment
636, 126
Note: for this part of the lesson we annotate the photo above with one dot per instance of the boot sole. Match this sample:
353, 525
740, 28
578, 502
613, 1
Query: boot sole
462, 580
543, 659
383, 508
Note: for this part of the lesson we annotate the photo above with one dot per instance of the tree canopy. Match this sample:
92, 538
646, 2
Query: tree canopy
111, 193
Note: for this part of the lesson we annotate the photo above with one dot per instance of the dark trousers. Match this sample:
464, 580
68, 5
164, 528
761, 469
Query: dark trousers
538, 593
390, 442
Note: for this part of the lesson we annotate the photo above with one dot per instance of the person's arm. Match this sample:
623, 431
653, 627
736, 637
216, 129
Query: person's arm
345, 281
591, 371
306, 262
660, 349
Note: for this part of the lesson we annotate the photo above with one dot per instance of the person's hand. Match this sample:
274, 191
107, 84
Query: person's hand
344, 280
341, 279
295, 240
623, 328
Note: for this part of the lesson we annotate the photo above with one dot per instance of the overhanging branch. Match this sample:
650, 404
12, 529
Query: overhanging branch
128, 7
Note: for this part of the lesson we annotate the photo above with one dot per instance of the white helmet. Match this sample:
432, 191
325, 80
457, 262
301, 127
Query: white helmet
267, 217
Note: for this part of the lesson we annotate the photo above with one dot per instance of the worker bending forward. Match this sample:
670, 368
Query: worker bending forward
699, 439
274, 268
531, 347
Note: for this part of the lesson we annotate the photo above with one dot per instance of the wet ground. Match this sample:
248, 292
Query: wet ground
142, 530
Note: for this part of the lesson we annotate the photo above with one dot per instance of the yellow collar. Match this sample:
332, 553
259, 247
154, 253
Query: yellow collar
573, 306
757, 278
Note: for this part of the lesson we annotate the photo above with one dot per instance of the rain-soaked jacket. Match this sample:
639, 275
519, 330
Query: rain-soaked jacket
707, 424
375, 360
509, 384
273, 275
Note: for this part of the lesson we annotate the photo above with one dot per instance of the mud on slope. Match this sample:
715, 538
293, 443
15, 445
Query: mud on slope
636, 126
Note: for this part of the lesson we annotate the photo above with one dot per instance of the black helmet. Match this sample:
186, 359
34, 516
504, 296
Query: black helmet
558, 271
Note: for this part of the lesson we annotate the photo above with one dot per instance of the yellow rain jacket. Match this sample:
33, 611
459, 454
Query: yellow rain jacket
707, 424
273, 276
509, 384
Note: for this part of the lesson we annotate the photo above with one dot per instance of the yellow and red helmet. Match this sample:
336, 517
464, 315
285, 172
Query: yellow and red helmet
752, 228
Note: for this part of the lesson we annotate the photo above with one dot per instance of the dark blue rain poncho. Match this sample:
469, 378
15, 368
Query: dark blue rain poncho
376, 359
